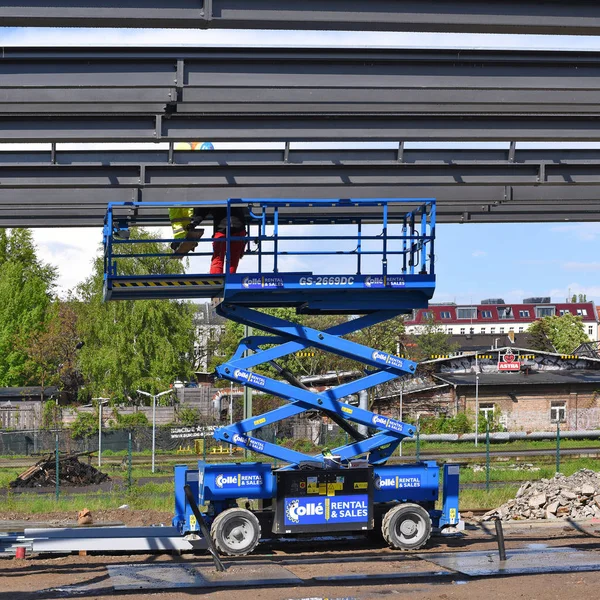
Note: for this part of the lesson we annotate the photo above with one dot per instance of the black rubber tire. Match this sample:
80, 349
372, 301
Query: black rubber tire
235, 532
406, 527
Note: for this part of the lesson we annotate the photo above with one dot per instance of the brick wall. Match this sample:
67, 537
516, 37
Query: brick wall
524, 409
528, 409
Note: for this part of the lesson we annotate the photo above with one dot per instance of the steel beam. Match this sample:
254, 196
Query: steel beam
151, 94
314, 128
579, 17
73, 187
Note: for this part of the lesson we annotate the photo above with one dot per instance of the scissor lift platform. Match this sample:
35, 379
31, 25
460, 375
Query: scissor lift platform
385, 273
389, 270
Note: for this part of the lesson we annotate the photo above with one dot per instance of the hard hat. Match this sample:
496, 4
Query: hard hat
207, 146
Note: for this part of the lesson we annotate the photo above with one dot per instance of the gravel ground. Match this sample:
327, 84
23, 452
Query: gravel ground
46, 577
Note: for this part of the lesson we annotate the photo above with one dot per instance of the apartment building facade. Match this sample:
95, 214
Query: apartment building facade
496, 317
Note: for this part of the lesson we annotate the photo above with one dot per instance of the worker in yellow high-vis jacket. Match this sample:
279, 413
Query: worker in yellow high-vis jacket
182, 219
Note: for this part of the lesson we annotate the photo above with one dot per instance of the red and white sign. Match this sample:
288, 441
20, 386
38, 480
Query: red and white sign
508, 362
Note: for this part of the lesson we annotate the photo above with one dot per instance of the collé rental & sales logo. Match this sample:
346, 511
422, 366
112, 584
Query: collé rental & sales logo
341, 509
387, 423
248, 442
237, 480
391, 482
253, 282
388, 359
379, 281
251, 378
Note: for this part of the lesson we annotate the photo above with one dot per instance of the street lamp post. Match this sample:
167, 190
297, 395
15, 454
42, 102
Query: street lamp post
476, 399
101, 401
154, 398
400, 419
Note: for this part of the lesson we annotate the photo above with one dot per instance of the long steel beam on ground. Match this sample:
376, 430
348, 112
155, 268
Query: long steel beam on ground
281, 94
73, 187
493, 16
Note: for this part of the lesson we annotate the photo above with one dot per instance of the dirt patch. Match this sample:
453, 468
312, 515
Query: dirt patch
132, 518
43, 577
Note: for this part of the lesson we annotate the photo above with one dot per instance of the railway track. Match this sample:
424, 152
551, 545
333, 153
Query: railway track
441, 457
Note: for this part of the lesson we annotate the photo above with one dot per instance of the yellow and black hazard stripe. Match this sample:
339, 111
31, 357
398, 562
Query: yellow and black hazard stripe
305, 354
170, 283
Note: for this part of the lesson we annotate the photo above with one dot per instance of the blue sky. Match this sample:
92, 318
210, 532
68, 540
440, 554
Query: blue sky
473, 261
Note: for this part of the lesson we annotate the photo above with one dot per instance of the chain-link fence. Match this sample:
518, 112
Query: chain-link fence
302, 434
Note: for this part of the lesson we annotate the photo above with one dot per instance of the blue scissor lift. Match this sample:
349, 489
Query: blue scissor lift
385, 251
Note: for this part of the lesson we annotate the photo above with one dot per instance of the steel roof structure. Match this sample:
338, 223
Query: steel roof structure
578, 17
287, 95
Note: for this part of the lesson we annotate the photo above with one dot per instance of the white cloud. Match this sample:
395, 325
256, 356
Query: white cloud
479, 253
71, 250
581, 266
592, 292
584, 232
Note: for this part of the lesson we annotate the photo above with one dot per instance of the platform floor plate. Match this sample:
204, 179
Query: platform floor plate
190, 575
524, 562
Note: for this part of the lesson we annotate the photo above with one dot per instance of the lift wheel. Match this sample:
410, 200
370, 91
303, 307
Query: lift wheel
235, 532
406, 527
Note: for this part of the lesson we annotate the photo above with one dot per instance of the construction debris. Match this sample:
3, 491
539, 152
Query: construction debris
573, 497
72, 472
84, 517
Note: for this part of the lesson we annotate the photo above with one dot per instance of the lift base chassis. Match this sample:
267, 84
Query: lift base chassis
316, 500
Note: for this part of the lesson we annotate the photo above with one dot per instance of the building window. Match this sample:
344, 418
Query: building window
582, 312
511, 328
482, 330
520, 329
545, 311
564, 311
466, 313
505, 312
486, 410
486, 314
493, 330
501, 329
590, 330
524, 314
558, 412
472, 330
462, 331
445, 315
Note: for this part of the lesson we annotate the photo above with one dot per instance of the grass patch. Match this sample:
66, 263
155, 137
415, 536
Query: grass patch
547, 470
482, 500
151, 496
516, 446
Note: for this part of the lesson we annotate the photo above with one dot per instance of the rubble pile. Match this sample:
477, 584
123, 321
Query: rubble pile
573, 497
71, 470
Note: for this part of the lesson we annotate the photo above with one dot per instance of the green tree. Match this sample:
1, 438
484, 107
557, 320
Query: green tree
561, 334
16, 246
431, 340
129, 345
26, 288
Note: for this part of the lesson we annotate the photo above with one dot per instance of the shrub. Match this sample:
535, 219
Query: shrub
131, 421
85, 425
188, 417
